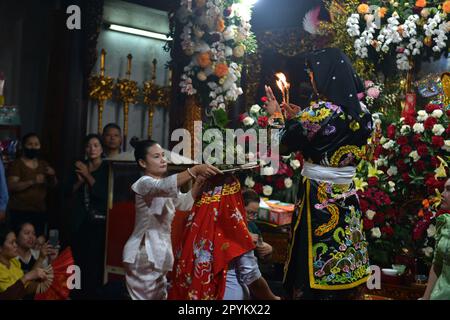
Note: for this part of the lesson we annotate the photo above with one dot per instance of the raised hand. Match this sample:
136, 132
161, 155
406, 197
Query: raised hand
272, 104
290, 110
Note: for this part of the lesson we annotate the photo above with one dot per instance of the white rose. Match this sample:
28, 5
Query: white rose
425, 12
431, 231
228, 51
428, 251
295, 164
369, 18
267, 171
422, 115
418, 128
239, 51
391, 186
392, 171
376, 233
288, 182
248, 121
415, 156
255, 108
262, 162
249, 182
437, 113
370, 214
267, 190
405, 129
446, 145
438, 129
201, 76
389, 145
228, 33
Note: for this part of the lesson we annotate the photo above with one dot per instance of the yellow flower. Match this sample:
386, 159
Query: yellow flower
373, 171
360, 184
440, 171
437, 200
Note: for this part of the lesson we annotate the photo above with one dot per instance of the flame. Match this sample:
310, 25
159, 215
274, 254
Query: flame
281, 77
280, 86
282, 82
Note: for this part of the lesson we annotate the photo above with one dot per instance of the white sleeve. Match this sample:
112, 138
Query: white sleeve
247, 268
184, 202
164, 188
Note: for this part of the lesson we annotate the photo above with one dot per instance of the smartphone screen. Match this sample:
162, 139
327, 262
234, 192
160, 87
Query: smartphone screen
53, 237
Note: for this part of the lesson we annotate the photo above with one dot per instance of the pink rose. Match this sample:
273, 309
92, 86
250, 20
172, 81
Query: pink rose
368, 83
373, 92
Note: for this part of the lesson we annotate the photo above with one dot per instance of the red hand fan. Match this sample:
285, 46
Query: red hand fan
55, 287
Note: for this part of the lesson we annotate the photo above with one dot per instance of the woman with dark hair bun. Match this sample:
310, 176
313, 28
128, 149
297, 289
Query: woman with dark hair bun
89, 186
147, 255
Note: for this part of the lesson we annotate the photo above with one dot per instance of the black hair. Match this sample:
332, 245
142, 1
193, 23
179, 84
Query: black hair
141, 148
111, 126
92, 136
17, 228
28, 136
250, 195
4, 231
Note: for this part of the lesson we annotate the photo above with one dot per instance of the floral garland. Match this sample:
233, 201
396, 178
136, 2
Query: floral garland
407, 28
216, 35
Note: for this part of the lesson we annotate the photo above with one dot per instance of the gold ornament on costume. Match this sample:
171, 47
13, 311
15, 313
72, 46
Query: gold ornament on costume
445, 80
127, 94
155, 95
100, 89
428, 41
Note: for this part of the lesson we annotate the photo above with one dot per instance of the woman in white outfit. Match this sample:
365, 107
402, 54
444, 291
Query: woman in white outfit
148, 253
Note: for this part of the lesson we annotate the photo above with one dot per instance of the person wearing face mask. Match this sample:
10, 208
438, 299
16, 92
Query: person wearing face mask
29, 180
89, 188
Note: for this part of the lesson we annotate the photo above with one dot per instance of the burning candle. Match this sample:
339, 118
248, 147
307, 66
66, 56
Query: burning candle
284, 87
102, 63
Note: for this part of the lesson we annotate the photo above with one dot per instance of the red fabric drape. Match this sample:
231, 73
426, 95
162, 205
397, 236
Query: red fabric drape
216, 232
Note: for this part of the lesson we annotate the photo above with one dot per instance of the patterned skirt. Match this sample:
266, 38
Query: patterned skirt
328, 255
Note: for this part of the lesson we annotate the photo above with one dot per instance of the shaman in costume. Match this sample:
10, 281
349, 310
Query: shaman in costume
328, 256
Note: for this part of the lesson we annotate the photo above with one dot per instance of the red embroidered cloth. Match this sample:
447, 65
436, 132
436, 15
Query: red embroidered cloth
216, 233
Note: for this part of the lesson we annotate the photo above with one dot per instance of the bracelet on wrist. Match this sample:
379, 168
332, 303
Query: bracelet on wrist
191, 174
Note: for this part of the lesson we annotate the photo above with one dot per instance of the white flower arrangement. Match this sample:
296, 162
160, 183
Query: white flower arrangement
406, 35
214, 36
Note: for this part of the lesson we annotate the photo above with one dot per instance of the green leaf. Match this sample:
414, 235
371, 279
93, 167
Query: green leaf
220, 118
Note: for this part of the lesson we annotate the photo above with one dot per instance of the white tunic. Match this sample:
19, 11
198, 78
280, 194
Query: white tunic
156, 202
